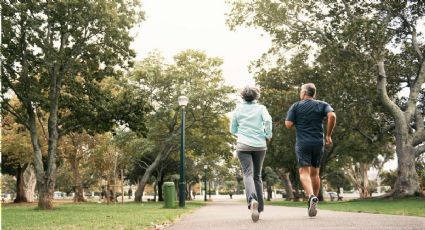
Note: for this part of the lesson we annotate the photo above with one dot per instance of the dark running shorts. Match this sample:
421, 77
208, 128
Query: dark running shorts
309, 155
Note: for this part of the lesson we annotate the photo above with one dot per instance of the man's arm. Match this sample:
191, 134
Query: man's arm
289, 124
290, 117
330, 127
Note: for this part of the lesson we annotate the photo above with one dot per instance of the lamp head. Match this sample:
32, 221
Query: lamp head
183, 100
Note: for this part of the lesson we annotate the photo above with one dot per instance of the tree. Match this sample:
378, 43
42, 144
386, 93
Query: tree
54, 56
389, 178
8, 184
368, 34
76, 148
199, 77
360, 155
270, 178
16, 158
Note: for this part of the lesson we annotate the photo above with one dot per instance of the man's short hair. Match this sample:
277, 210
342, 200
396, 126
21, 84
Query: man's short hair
250, 93
310, 89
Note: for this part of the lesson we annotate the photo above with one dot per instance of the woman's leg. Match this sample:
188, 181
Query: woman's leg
258, 159
245, 158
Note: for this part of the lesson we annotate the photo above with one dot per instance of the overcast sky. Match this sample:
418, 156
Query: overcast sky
173, 26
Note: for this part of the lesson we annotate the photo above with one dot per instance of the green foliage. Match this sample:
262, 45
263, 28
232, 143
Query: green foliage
420, 169
16, 146
269, 176
8, 184
388, 178
336, 179
56, 57
73, 45
207, 137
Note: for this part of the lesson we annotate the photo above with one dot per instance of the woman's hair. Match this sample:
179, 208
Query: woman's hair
250, 93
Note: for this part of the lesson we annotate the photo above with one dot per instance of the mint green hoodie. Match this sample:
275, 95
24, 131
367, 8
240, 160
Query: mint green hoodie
252, 124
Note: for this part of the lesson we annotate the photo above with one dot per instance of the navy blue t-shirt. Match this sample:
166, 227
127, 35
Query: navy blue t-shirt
308, 116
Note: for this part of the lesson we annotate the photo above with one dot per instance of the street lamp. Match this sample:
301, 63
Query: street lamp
183, 100
205, 182
209, 189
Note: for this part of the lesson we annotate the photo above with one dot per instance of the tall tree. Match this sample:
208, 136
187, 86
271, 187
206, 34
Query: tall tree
197, 76
379, 39
16, 158
76, 148
54, 54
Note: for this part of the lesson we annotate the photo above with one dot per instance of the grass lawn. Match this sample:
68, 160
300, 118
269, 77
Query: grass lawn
413, 206
92, 216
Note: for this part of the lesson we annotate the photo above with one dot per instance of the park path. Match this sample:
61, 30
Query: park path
233, 214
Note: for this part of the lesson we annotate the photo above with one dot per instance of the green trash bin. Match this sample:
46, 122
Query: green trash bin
169, 195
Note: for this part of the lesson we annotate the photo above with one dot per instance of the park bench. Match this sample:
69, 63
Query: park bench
334, 195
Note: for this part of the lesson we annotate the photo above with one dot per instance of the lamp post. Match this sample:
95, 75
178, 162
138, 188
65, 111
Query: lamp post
205, 182
183, 100
209, 189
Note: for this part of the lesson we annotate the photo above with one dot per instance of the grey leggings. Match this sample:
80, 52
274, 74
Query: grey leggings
252, 162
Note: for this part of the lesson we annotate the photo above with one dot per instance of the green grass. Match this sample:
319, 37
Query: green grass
407, 206
92, 216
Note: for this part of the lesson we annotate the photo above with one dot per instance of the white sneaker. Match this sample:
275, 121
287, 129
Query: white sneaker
312, 202
255, 215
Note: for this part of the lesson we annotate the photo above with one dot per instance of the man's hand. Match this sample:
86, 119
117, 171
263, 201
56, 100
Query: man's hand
328, 140
330, 127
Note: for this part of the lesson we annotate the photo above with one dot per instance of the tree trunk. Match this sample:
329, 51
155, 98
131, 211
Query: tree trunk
155, 191
138, 196
288, 186
366, 189
269, 192
45, 180
29, 183
20, 190
160, 183
407, 182
359, 178
189, 192
78, 188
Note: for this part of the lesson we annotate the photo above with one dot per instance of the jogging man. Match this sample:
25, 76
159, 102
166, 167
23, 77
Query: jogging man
307, 116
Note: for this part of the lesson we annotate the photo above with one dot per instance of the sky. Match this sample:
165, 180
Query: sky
173, 26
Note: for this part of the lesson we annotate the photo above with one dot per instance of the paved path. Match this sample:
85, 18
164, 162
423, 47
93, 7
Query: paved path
234, 215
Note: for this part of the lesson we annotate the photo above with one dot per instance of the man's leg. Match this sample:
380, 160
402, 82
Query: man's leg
315, 180
316, 157
306, 180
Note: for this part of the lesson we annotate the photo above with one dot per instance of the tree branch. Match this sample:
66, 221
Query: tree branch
418, 138
19, 118
348, 10
369, 138
412, 31
391, 107
69, 129
419, 150
419, 120
414, 92
42, 127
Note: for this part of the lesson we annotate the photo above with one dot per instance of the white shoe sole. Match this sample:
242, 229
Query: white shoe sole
255, 215
312, 211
